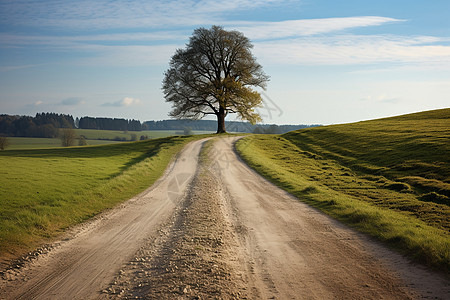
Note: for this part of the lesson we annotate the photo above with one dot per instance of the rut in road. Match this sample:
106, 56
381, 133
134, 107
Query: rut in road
196, 255
213, 228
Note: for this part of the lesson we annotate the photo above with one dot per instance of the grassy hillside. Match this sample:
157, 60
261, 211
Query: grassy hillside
411, 149
44, 191
389, 177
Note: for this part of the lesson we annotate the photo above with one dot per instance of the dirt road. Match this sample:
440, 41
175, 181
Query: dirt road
86, 262
213, 228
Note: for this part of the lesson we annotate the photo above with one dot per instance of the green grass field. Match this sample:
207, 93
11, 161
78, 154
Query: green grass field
389, 178
45, 191
17, 143
93, 134
93, 138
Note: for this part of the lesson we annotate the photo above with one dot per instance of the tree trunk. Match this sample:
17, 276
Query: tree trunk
221, 121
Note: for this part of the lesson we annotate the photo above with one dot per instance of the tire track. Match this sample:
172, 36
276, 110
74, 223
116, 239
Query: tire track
194, 256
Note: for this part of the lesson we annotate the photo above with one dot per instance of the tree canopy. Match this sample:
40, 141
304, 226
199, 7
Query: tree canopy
215, 75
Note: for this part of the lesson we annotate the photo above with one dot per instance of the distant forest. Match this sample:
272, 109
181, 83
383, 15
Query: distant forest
42, 125
231, 126
109, 124
47, 125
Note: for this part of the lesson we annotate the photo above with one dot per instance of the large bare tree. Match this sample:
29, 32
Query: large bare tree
215, 75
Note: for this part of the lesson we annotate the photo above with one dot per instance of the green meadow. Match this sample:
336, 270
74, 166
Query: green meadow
389, 178
93, 137
93, 134
44, 191
17, 143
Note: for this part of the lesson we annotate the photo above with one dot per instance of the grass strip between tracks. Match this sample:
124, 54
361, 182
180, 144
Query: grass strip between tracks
45, 191
354, 198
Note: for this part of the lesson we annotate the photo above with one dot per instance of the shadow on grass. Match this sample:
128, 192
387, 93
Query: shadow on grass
128, 154
153, 149
147, 148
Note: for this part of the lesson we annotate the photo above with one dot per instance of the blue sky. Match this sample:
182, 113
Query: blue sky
329, 61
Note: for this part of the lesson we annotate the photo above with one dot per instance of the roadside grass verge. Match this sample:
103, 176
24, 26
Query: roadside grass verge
361, 174
45, 191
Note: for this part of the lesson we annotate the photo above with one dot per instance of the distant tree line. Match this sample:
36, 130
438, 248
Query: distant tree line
232, 126
42, 125
109, 124
47, 125
181, 124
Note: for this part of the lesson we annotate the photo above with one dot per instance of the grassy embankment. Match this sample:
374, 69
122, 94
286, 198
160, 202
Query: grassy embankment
389, 178
45, 191
93, 137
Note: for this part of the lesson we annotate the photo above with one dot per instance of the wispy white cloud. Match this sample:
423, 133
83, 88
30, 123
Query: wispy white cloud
115, 49
159, 27
124, 102
10, 40
354, 49
295, 28
107, 14
253, 30
332, 49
